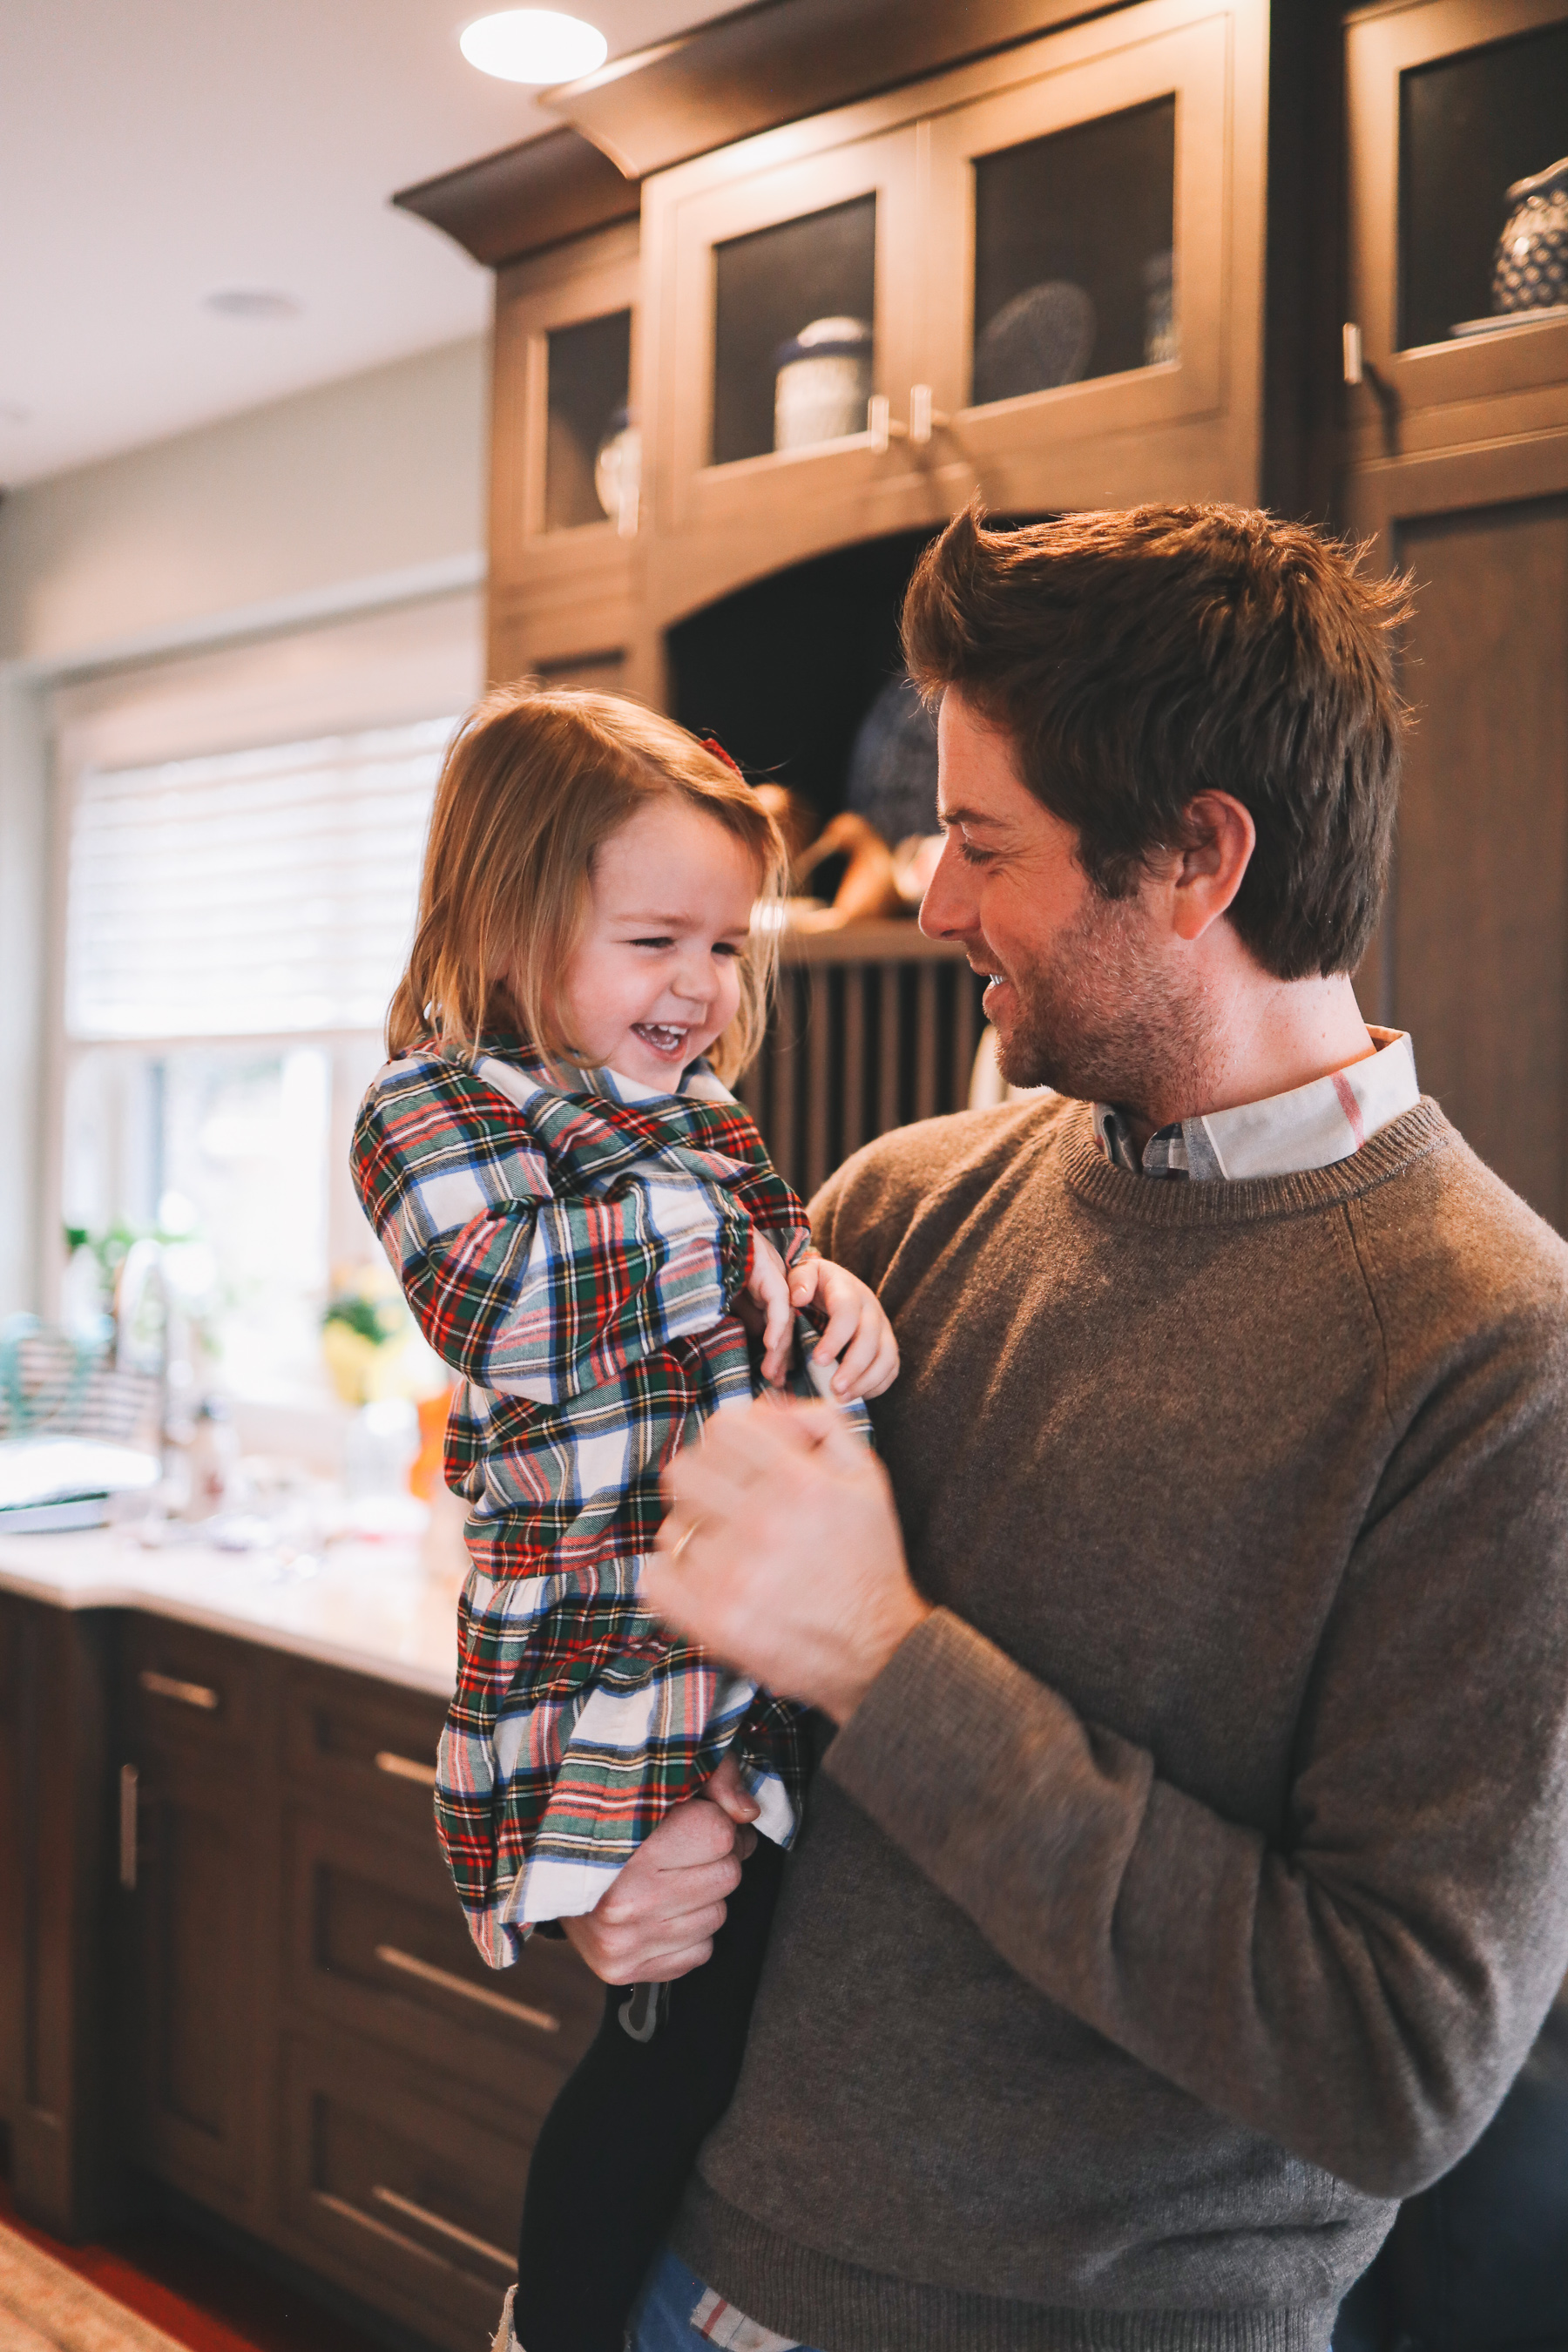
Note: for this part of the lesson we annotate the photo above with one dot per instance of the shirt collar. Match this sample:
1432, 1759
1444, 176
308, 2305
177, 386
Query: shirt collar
518, 1073
1310, 1127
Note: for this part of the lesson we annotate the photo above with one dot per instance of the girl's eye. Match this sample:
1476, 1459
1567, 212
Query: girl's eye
653, 943
726, 948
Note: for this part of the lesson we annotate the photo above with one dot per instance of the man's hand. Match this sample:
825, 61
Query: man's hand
781, 1554
658, 1919
858, 1337
764, 1307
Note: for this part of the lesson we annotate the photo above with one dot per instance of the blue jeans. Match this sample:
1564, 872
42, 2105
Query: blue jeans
661, 2321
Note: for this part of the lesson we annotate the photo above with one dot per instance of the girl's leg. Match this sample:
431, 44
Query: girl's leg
611, 2160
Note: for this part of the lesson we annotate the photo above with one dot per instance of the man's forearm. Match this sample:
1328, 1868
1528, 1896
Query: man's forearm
1286, 1991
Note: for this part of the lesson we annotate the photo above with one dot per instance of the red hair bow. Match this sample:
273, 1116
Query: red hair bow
711, 743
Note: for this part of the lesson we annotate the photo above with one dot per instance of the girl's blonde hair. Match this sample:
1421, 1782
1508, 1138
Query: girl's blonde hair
534, 780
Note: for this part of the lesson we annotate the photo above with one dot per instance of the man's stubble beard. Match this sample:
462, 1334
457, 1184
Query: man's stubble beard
1100, 1020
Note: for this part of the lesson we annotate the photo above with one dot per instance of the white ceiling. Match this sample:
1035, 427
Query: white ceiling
154, 152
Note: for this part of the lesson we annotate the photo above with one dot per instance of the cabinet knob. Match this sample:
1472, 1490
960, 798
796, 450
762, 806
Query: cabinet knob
925, 420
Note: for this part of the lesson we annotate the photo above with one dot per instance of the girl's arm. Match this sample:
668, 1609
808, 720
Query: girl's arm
528, 1293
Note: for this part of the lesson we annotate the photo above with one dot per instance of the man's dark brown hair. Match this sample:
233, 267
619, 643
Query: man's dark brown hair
1138, 658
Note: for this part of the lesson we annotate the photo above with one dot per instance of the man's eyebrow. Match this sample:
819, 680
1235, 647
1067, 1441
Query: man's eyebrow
965, 816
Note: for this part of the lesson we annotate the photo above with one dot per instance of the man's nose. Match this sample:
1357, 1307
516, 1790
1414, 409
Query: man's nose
945, 910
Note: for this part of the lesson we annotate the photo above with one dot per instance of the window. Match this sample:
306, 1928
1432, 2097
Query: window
234, 925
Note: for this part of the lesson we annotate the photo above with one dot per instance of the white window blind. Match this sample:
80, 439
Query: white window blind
253, 893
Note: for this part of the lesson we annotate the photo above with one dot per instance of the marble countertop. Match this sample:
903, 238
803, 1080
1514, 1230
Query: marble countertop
369, 1607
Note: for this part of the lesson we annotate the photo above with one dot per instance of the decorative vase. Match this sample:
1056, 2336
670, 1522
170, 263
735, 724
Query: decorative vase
823, 382
1531, 271
1041, 338
618, 471
1162, 344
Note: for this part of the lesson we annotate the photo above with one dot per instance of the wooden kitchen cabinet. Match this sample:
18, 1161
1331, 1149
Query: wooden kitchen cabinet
232, 1963
1457, 469
1129, 152
564, 571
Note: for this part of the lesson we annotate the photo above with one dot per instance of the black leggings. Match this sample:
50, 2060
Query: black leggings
612, 2157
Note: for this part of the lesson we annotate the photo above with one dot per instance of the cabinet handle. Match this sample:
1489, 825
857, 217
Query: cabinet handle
422, 2214
184, 1694
925, 420
540, 2019
129, 1783
405, 1768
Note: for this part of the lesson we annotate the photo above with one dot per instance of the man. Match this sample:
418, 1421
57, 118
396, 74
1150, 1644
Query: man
1186, 1874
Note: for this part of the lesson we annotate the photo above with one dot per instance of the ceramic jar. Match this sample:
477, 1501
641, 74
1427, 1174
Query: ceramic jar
1530, 270
823, 383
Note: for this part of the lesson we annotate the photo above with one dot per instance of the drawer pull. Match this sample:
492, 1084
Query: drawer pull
422, 2214
184, 1694
540, 2019
128, 1781
405, 1768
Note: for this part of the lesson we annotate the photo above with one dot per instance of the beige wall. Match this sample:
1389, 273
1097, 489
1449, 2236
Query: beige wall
335, 501
375, 475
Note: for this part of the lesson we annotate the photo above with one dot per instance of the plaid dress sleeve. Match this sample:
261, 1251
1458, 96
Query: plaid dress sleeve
530, 1291
575, 1260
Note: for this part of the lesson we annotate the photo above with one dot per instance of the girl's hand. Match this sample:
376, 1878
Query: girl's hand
858, 1334
764, 1307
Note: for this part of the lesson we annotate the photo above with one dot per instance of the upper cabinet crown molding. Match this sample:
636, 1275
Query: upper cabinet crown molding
781, 60
527, 197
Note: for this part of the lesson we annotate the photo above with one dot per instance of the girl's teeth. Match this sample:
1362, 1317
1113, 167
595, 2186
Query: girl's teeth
665, 1040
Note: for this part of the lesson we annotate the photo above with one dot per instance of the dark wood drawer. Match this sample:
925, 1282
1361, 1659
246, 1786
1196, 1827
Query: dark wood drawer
376, 1943
190, 1691
362, 1743
399, 2194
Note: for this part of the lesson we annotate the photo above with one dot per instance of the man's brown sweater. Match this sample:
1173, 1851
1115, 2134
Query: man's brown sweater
1190, 1885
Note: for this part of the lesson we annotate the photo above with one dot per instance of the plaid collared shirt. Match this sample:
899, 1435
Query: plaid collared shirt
574, 1255
1310, 1127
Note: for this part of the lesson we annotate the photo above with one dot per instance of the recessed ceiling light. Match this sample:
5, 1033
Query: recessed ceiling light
251, 302
536, 45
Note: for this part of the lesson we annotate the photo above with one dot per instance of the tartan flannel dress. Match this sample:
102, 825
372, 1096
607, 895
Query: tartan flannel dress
572, 1255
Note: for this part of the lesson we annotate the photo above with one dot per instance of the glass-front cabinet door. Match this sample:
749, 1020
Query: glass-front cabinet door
1458, 209
1077, 228
787, 293
567, 508
1038, 275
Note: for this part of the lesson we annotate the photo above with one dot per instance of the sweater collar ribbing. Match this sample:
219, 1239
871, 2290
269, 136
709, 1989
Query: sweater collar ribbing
1250, 1199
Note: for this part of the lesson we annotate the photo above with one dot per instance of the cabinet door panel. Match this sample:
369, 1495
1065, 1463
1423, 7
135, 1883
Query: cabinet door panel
400, 2195
759, 193
197, 1930
1192, 66
364, 1744
1480, 909
1491, 371
377, 1943
190, 1692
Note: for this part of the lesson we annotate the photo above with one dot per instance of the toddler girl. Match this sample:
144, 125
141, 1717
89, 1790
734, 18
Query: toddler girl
589, 1231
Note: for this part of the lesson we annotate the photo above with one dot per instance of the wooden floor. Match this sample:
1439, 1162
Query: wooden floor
207, 2299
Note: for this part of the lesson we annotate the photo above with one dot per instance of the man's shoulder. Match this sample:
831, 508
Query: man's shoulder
1453, 1248
883, 1186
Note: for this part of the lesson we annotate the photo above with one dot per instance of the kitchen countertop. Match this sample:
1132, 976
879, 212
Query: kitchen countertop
369, 1607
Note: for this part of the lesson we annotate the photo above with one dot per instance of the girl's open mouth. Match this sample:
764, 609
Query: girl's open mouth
660, 1036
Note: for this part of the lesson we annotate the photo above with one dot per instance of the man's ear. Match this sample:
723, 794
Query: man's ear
1220, 840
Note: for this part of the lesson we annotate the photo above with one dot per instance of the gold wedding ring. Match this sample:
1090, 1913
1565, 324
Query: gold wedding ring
677, 1548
